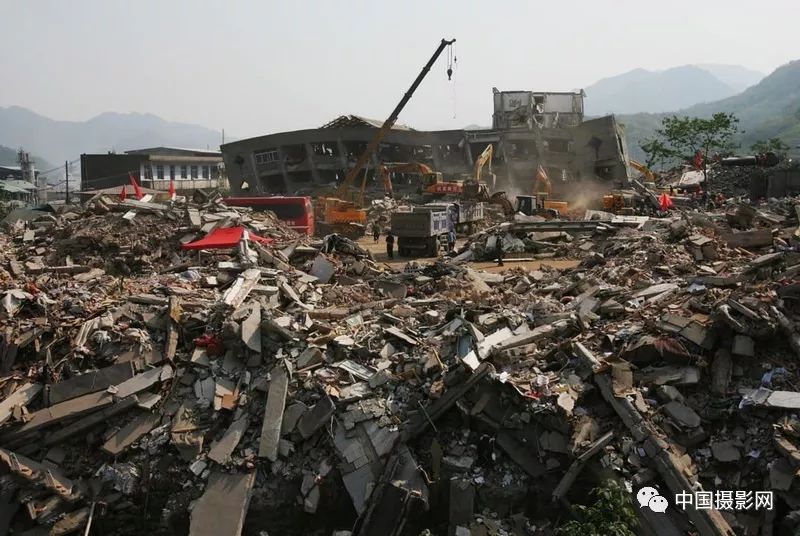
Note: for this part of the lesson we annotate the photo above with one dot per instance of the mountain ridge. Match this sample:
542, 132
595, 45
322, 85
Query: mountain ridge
59, 140
644, 91
766, 110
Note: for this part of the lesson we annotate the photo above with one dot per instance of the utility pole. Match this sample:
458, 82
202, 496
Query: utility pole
66, 175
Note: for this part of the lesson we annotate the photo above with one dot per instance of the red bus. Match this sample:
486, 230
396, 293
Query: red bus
297, 212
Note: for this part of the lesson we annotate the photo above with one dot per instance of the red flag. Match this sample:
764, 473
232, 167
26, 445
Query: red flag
665, 202
172, 190
698, 160
136, 188
122, 193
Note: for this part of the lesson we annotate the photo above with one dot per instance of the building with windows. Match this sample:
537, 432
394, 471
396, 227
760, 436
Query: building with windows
153, 168
528, 129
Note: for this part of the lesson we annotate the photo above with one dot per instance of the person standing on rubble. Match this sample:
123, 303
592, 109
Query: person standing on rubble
390, 245
498, 249
451, 240
376, 232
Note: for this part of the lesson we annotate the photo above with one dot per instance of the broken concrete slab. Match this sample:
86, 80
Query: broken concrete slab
87, 422
683, 414
743, 346
292, 416
89, 383
748, 239
130, 433
721, 370
273, 414
392, 289
521, 453
140, 382
322, 269
251, 329
220, 511
655, 290
222, 449
64, 410
318, 416
725, 451
241, 288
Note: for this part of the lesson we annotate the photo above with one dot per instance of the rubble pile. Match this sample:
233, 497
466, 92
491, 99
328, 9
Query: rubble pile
734, 181
290, 387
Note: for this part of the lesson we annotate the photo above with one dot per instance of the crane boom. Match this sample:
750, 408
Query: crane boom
347, 183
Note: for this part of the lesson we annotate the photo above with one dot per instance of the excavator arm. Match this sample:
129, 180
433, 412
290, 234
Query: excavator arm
484, 158
544, 181
644, 170
385, 171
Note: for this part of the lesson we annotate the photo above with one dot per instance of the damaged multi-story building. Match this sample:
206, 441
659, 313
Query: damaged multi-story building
528, 129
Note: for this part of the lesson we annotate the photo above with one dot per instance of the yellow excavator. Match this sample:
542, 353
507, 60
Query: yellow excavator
644, 170
624, 202
540, 203
428, 178
345, 216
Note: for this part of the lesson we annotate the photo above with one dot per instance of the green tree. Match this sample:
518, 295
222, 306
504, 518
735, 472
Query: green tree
657, 152
683, 137
611, 514
773, 145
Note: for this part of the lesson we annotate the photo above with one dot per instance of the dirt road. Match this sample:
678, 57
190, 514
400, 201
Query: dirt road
378, 251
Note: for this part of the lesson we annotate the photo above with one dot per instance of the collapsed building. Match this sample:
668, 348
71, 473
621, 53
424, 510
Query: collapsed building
528, 129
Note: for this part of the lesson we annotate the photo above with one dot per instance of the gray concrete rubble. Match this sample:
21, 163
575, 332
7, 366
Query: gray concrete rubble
300, 386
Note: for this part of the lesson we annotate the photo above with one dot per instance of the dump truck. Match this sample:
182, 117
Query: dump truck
420, 231
464, 216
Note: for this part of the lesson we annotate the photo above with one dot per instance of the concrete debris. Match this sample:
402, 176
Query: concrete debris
221, 509
379, 398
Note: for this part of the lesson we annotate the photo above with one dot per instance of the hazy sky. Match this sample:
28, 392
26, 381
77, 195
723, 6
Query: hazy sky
255, 67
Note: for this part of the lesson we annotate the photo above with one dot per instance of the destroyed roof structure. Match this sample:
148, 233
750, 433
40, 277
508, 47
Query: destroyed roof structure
298, 386
572, 149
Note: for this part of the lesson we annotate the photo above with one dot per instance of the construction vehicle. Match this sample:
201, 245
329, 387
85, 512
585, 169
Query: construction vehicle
463, 215
531, 205
649, 176
623, 202
542, 191
346, 216
421, 231
427, 177
475, 188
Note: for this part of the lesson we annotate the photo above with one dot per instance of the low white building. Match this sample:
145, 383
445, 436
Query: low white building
189, 168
